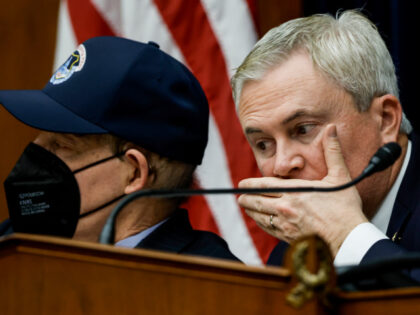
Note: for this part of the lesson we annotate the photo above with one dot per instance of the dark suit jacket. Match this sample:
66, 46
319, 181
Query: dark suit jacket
404, 226
175, 235
405, 218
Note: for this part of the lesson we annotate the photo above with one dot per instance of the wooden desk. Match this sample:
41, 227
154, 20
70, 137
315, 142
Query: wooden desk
48, 275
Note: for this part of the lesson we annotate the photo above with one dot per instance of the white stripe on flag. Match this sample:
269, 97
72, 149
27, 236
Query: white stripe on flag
143, 22
111, 12
234, 28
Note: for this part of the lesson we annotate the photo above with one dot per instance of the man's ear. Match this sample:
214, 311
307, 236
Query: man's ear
387, 109
139, 170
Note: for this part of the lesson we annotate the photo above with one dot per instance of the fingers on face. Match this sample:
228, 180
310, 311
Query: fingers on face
263, 217
260, 203
282, 228
263, 182
333, 154
277, 226
274, 215
264, 221
273, 182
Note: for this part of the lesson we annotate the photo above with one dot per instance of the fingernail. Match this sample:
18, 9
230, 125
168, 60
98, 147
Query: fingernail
332, 132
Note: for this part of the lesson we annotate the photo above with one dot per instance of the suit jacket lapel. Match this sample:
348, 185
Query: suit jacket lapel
408, 194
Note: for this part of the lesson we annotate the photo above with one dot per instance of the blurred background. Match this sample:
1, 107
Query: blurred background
211, 37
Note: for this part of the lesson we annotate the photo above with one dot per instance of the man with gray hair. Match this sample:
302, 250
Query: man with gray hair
316, 97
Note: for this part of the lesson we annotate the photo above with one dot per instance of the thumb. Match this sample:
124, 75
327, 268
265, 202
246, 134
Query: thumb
333, 155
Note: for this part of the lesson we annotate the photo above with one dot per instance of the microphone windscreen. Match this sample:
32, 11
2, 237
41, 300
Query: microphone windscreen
385, 156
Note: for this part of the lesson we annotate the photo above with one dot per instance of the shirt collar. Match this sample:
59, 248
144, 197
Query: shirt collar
132, 241
383, 216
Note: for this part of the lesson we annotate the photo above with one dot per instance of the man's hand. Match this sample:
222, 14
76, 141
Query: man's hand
288, 216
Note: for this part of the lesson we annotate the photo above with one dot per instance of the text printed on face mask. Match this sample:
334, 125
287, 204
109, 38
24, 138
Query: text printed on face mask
28, 206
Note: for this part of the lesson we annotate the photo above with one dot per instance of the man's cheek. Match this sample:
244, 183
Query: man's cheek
316, 159
265, 167
315, 165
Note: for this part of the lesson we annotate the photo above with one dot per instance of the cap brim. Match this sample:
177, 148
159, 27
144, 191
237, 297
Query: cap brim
38, 110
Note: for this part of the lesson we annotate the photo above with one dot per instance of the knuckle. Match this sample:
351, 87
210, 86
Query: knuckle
258, 204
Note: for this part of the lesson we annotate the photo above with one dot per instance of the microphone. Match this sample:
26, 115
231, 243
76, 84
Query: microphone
383, 158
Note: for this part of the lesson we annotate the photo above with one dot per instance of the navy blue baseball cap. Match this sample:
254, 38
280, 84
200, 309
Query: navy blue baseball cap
126, 88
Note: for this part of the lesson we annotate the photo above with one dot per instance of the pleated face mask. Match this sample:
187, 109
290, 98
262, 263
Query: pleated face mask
42, 193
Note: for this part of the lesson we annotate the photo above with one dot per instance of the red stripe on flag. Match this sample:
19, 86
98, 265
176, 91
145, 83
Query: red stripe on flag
86, 20
193, 34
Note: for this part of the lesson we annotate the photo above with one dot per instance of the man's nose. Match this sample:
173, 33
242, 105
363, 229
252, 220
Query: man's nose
288, 162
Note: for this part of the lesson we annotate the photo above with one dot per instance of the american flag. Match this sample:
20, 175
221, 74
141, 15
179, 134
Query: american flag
211, 37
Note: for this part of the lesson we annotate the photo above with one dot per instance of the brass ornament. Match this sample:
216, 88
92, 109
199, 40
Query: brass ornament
310, 283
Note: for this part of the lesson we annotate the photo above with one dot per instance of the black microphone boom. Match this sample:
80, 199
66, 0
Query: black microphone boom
383, 158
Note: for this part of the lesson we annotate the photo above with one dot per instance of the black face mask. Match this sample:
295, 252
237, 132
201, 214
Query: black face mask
43, 195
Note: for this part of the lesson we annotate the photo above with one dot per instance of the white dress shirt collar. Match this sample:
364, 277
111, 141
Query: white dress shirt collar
132, 241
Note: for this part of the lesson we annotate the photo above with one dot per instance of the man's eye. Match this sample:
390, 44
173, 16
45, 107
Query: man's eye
304, 129
265, 147
261, 146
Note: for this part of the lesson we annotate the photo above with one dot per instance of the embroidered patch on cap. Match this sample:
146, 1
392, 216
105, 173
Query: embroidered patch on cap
73, 64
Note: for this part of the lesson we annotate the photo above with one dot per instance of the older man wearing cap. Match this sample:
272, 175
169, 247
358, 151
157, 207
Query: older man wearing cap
117, 117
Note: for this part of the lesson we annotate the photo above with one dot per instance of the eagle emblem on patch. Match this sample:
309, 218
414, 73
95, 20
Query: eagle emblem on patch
73, 64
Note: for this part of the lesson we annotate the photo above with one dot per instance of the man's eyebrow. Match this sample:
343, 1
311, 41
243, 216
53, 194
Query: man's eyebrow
296, 115
305, 113
250, 130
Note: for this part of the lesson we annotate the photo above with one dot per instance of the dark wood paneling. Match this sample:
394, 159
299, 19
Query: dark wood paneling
27, 42
274, 12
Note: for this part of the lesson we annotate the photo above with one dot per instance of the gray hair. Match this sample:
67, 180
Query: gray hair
347, 49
